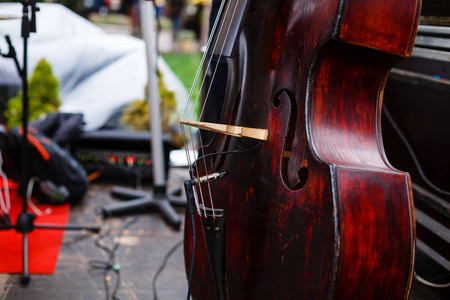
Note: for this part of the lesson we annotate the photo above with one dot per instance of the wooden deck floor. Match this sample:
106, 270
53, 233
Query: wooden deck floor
143, 247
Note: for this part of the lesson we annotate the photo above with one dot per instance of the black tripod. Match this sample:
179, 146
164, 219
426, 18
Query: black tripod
160, 200
25, 220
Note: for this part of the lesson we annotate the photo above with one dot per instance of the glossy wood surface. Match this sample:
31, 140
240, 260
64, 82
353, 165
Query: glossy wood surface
316, 211
382, 24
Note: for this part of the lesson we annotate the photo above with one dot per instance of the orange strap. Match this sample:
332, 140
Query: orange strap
45, 155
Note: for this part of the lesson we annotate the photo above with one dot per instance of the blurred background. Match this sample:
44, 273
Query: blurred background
96, 61
88, 60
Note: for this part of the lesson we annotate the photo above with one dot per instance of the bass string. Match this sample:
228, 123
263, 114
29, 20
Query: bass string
194, 84
207, 97
192, 117
186, 107
192, 114
199, 70
195, 170
220, 56
189, 100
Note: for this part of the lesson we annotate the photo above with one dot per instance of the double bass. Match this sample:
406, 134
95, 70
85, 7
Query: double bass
294, 197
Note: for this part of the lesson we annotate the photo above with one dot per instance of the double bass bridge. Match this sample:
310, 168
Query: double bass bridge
236, 131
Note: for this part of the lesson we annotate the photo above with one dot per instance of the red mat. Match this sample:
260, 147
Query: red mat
43, 244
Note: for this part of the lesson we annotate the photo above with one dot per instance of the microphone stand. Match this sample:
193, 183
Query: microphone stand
25, 220
160, 200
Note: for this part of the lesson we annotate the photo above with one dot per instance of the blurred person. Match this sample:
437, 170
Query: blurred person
193, 17
131, 9
174, 9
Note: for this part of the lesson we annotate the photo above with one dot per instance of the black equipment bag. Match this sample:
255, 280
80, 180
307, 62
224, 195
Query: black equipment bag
62, 128
61, 177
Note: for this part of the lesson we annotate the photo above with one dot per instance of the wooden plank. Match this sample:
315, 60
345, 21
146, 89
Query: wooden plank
432, 225
433, 30
432, 42
433, 254
420, 79
431, 200
431, 54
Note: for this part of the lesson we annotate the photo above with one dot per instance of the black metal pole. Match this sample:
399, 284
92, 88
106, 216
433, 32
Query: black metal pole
24, 223
12, 54
25, 279
25, 100
94, 229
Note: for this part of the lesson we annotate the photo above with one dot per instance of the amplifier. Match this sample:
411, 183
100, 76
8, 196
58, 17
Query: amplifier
114, 155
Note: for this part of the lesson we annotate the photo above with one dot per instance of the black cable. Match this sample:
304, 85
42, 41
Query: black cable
190, 196
163, 265
194, 250
411, 152
429, 283
110, 264
116, 288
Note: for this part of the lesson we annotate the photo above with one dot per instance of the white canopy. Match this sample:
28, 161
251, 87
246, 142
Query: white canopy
98, 72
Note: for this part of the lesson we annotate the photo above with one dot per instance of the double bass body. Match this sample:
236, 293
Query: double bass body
316, 211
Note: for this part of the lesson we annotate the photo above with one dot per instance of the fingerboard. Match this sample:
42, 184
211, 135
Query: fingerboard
230, 26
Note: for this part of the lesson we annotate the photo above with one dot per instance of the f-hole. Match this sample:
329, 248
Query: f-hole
297, 181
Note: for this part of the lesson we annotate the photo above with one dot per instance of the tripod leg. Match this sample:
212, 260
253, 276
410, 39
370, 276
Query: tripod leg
25, 279
127, 193
169, 213
94, 229
133, 206
176, 200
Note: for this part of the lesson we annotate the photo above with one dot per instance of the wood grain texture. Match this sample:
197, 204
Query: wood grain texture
296, 234
383, 24
376, 235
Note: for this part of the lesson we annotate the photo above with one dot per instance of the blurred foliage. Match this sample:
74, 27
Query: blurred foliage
74, 5
110, 18
42, 94
165, 23
186, 34
185, 66
136, 116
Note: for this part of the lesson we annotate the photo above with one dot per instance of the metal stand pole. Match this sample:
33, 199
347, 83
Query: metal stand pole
160, 200
149, 35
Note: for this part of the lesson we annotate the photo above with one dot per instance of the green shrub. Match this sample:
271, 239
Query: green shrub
136, 115
42, 94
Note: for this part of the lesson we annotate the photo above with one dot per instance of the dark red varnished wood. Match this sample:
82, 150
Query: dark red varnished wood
382, 24
302, 72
